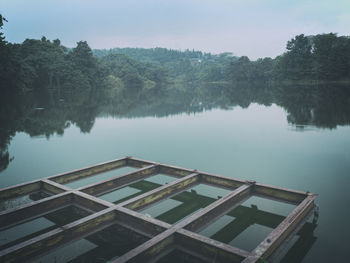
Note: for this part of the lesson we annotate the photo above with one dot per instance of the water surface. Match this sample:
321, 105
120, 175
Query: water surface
301, 143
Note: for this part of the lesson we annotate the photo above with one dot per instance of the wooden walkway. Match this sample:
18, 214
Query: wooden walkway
162, 238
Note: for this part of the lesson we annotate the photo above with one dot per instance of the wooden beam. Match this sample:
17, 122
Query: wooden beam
119, 181
221, 181
279, 193
88, 171
279, 234
53, 187
13, 216
149, 249
47, 241
216, 209
214, 250
92, 203
19, 190
160, 193
139, 222
138, 163
175, 171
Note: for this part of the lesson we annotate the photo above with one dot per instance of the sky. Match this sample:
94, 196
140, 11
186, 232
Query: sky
253, 28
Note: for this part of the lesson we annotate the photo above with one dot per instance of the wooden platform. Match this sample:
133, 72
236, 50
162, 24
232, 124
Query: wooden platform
51, 194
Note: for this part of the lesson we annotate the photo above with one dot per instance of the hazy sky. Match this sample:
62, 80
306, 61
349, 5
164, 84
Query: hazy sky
256, 28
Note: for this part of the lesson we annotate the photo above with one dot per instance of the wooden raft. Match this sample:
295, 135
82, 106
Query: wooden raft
163, 237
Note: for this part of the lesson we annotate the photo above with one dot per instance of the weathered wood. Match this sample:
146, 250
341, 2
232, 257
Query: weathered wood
88, 171
138, 163
119, 181
214, 250
149, 249
34, 209
279, 193
53, 187
276, 237
163, 237
139, 222
175, 171
216, 209
47, 241
221, 181
19, 190
90, 202
160, 193
305, 241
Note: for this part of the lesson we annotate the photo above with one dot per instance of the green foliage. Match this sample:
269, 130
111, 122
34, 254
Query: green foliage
44, 65
324, 57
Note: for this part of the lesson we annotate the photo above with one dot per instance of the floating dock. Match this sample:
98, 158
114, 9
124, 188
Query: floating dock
152, 239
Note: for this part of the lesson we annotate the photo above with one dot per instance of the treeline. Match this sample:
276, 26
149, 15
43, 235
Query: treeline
324, 57
38, 65
188, 65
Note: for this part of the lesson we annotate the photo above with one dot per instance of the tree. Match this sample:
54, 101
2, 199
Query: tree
297, 61
331, 56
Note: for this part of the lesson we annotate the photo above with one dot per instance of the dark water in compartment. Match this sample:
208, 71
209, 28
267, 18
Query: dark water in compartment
186, 203
134, 189
42, 224
102, 246
22, 200
248, 224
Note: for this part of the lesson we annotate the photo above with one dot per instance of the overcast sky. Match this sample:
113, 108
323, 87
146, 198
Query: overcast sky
256, 28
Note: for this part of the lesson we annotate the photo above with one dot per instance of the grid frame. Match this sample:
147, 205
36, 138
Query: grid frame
164, 237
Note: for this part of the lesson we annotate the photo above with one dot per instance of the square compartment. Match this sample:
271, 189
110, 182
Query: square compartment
23, 199
184, 204
137, 188
104, 245
249, 223
39, 225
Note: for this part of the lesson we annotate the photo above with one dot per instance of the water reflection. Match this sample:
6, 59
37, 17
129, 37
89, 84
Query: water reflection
44, 112
244, 226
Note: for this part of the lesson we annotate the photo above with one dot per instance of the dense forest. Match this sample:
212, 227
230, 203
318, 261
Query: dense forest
44, 64
76, 85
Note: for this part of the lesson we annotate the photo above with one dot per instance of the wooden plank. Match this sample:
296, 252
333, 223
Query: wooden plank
19, 190
216, 209
279, 193
221, 181
175, 171
139, 222
12, 216
214, 250
305, 241
138, 163
90, 202
279, 234
164, 168
160, 193
47, 241
68, 177
119, 181
53, 187
150, 249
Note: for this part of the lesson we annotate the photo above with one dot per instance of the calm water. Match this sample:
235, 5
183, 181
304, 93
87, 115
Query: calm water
268, 143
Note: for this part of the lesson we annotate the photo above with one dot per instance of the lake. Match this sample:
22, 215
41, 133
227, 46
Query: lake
294, 140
